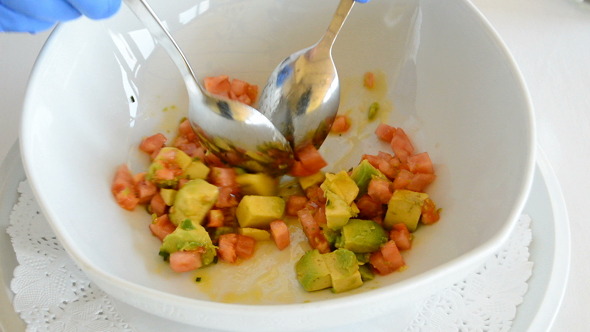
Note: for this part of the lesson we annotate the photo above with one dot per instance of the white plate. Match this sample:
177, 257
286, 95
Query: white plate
550, 252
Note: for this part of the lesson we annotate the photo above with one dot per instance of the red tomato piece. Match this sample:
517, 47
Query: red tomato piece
380, 190
311, 159
144, 189
341, 124
401, 145
152, 144
226, 198
186, 130
430, 214
218, 85
401, 236
420, 163
223, 177
369, 80
245, 246
294, 204
298, 169
420, 181
227, 247
312, 230
184, 261
320, 215
387, 260
280, 234
157, 205
162, 226
123, 188
403, 179
368, 207
385, 132
316, 195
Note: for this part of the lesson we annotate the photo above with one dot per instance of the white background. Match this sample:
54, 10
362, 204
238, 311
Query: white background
550, 41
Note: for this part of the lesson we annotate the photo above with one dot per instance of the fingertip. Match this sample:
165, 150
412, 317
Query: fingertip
96, 9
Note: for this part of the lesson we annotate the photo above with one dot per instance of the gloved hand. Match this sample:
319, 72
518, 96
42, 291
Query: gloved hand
362, 1
38, 15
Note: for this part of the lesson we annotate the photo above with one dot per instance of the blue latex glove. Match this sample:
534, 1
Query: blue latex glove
362, 1
38, 15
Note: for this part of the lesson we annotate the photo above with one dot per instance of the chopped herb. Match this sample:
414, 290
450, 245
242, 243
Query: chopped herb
132, 99
373, 110
198, 279
187, 225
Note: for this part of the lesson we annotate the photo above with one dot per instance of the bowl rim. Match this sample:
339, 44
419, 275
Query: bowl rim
370, 295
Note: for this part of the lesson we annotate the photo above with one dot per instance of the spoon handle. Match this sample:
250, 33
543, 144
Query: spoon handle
148, 17
344, 8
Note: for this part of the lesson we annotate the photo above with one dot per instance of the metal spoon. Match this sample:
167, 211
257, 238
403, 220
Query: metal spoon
235, 132
302, 95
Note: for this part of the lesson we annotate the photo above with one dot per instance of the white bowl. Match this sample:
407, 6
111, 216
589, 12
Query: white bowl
451, 85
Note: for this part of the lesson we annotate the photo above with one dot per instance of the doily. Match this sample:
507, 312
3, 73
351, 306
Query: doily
52, 294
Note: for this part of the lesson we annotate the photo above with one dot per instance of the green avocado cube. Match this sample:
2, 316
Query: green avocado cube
362, 236
405, 206
165, 157
259, 211
196, 170
342, 185
189, 236
312, 271
344, 270
257, 184
337, 211
193, 201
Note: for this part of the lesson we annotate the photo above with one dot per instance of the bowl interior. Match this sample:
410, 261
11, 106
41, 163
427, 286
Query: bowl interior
99, 87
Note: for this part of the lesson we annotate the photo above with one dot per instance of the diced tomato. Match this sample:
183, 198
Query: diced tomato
401, 236
252, 93
380, 190
218, 85
182, 182
368, 207
186, 130
387, 260
190, 148
227, 247
341, 124
385, 132
430, 214
184, 261
369, 80
216, 218
420, 181
320, 215
315, 194
311, 159
245, 246
239, 87
212, 160
298, 169
223, 177
165, 174
312, 230
294, 204
373, 160
226, 198
403, 178
162, 226
157, 205
145, 189
123, 188
280, 234
401, 145
152, 144
420, 163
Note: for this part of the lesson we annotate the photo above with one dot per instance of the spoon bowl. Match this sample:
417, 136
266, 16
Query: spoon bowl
302, 95
235, 132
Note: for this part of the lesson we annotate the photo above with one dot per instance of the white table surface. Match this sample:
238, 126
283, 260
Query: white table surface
550, 41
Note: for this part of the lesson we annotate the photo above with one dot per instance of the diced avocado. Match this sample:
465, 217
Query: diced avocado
312, 271
363, 173
196, 170
363, 258
405, 206
189, 236
168, 195
193, 201
344, 270
259, 211
362, 236
331, 235
258, 184
337, 211
342, 185
354, 209
257, 234
310, 180
166, 157
366, 273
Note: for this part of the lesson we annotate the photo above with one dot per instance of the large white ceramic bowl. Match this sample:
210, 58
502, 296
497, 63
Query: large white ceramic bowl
98, 87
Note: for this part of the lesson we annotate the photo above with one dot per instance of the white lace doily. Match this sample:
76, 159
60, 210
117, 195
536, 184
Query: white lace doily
52, 294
